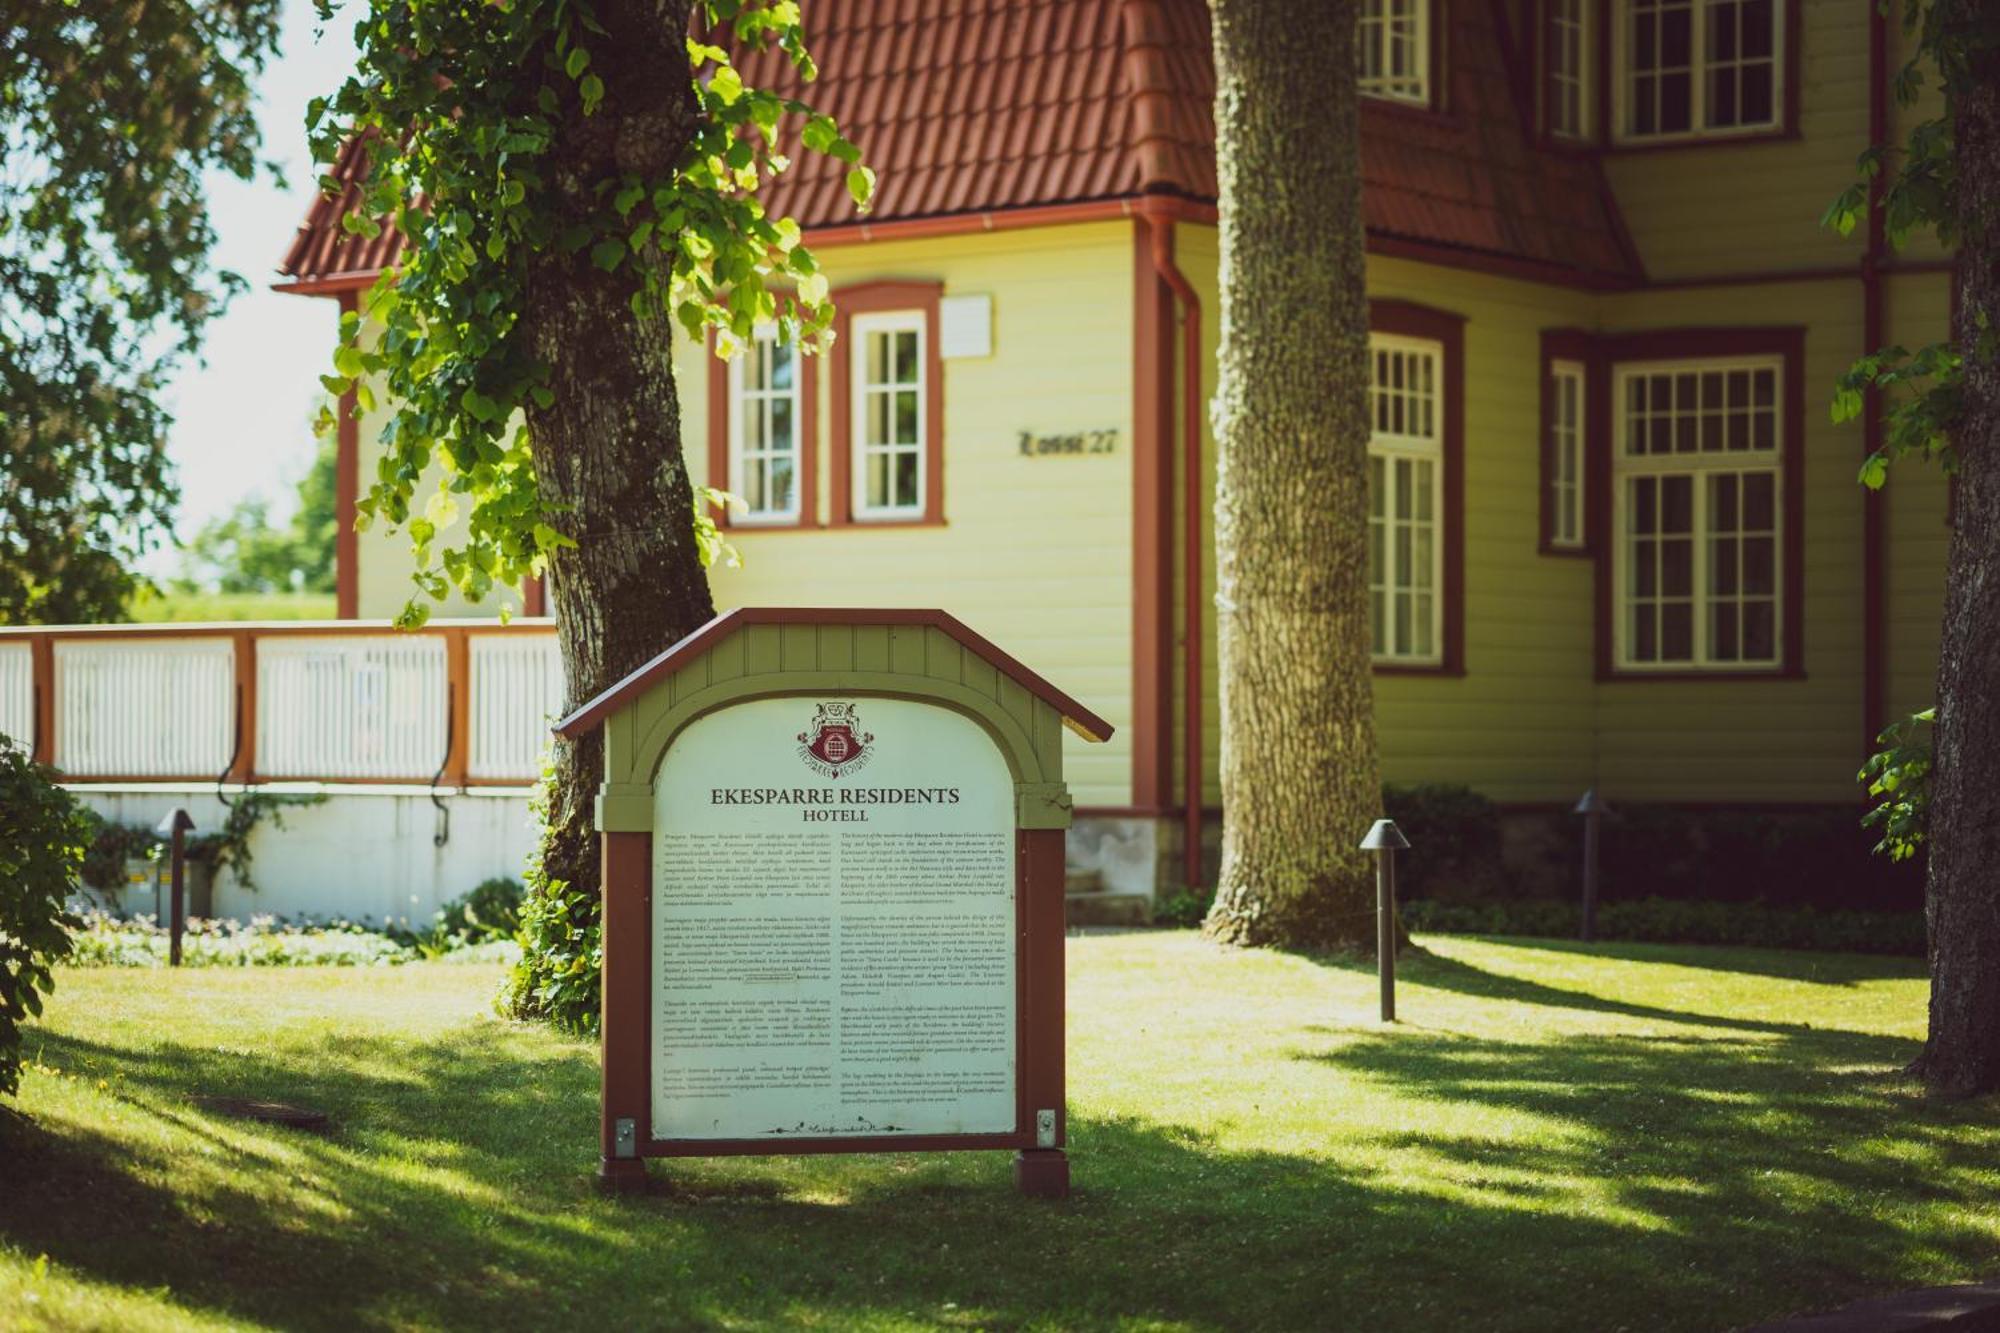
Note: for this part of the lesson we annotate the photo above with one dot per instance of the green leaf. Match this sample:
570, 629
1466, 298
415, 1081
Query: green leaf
578, 59
592, 91
861, 184
608, 254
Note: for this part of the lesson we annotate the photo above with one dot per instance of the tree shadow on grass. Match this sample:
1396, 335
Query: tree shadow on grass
1791, 1159
454, 1191
1424, 968
1825, 969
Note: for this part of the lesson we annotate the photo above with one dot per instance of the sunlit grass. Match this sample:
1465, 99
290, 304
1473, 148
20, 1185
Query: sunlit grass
182, 607
1554, 1137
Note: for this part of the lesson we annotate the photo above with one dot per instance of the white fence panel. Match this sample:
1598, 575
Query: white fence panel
517, 691
351, 706
136, 708
17, 694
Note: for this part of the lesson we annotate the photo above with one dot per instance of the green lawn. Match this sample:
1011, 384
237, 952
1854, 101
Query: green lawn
183, 607
1555, 1137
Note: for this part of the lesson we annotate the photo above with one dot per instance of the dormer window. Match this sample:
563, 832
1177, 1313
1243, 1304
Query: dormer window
1690, 68
1566, 67
1395, 50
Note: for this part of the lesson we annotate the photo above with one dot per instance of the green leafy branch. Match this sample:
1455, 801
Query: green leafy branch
457, 117
1898, 778
1915, 186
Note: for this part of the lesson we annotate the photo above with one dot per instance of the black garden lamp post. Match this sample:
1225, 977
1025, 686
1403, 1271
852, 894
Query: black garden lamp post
175, 827
1593, 809
1385, 840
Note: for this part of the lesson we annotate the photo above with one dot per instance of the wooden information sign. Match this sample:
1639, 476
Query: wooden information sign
833, 894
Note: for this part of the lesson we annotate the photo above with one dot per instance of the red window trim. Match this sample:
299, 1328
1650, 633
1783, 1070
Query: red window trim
1686, 344
872, 298
1609, 76
719, 471
1577, 346
1407, 319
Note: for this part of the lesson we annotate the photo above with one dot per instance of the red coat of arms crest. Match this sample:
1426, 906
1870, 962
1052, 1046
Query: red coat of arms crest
834, 744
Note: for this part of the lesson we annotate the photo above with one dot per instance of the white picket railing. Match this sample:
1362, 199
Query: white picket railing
145, 709
517, 693
352, 707
452, 703
17, 693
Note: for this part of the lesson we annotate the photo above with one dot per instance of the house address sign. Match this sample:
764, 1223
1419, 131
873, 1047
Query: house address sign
1076, 442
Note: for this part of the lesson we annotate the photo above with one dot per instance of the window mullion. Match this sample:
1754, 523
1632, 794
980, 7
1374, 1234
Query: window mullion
1703, 612
1698, 67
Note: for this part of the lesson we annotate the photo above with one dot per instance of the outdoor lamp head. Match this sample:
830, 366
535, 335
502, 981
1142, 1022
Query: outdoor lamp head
1591, 804
177, 821
1384, 836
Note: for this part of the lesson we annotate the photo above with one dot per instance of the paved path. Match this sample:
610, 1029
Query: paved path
1968, 1309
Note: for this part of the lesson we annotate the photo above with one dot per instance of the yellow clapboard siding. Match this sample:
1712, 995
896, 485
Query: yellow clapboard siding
1035, 553
1720, 208
1918, 536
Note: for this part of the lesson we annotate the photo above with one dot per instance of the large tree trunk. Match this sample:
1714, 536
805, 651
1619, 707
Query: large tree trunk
1299, 778
607, 451
1962, 1056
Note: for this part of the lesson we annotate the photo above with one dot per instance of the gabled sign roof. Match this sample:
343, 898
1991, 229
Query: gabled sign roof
1074, 715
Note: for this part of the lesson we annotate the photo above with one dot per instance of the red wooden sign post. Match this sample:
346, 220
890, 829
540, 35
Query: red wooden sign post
833, 894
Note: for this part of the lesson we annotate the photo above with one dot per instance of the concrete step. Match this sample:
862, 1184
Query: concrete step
1083, 881
1101, 908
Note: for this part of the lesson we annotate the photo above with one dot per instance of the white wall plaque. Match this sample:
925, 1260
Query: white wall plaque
833, 924
965, 326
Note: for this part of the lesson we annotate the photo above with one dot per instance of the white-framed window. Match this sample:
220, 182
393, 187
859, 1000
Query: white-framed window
764, 425
1395, 50
1405, 499
1566, 493
1698, 521
1566, 90
1698, 67
889, 426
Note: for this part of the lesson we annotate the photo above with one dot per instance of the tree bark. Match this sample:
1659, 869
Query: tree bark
1962, 1055
607, 451
1299, 774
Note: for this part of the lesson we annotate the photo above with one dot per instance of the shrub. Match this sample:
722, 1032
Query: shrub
562, 944
1183, 908
105, 940
109, 941
111, 846
493, 910
490, 912
1455, 842
42, 843
1788, 858
1899, 777
1667, 921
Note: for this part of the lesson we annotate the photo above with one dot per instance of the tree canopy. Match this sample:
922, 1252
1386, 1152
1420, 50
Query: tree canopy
110, 113
1916, 187
461, 107
246, 551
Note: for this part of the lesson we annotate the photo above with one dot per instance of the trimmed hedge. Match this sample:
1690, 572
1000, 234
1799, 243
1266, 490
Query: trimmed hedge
1666, 921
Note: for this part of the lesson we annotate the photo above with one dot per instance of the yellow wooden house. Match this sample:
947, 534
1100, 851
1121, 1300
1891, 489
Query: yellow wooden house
1617, 540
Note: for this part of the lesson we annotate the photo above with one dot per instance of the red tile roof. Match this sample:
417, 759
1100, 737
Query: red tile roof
320, 250
966, 106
